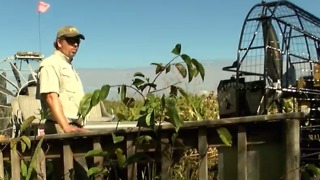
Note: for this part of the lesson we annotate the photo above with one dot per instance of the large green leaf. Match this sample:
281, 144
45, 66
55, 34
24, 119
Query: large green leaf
143, 139
147, 120
182, 70
173, 114
138, 74
225, 136
173, 91
117, 139
190, 68
121, 158
183, 93
94, 171
191, 72
129, 102
104, 92
27, 123
177, 49
159, 67
25, 141
163, 101
33, 162
199, 67
138, 157
96, 152
168, 68
85, 105
137, 82
312, 169
123, 92
24, 168
186, 58
150, 120
23, 146
152, 85
95, 99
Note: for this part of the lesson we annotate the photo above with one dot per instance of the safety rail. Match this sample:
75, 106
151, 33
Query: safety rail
263, 146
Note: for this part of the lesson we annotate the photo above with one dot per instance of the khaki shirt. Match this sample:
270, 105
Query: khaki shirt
56, 74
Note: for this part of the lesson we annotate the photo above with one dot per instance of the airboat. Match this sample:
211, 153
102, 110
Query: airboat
277, 69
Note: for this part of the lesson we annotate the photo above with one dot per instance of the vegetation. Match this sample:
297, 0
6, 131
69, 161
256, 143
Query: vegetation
151, 110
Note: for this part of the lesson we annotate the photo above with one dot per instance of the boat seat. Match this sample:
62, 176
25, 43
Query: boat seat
25, 106
99, 113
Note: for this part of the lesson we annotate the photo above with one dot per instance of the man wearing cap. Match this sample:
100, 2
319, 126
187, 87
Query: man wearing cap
59, 85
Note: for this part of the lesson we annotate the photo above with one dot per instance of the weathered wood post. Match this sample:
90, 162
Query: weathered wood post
242, 153
292, 149
131, 149
203, 157
67, 160
97, 160
1, 166
165, 157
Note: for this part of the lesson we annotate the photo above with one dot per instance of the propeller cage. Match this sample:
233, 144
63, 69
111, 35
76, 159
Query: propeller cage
277, 60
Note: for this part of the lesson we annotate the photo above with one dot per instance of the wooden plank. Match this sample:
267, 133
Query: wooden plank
165, 157
68, 161
109, 127
97, 160
1, 166
41, 168
15, 165
242, 153
131, 149
292, 149
203, 157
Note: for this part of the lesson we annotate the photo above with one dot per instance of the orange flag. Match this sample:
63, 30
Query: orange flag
43, 7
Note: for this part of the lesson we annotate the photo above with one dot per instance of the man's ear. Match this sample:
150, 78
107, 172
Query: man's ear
59, 43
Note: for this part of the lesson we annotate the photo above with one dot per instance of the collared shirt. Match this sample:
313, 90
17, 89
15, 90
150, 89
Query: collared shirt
56, 74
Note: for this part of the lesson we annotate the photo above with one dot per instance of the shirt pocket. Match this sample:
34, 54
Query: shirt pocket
68, 80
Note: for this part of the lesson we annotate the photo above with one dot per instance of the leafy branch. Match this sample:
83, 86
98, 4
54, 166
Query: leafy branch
153, 110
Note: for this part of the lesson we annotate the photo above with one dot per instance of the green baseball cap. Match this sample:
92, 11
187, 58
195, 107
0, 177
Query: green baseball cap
69, 31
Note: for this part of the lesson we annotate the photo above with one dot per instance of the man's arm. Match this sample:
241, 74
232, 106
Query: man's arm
54, 103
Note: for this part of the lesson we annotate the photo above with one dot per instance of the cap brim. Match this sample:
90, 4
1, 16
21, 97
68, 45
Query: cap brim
75, 35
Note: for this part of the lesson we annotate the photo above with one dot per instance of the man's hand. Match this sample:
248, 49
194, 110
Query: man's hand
71, 128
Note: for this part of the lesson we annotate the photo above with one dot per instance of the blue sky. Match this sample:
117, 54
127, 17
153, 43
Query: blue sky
127, 34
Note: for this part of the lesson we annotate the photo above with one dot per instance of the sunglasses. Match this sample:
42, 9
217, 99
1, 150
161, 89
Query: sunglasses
72, 40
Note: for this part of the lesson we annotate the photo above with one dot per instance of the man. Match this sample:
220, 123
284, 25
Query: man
60, 87
61, 90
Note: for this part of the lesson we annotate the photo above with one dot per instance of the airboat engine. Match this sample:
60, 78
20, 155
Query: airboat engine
277, 66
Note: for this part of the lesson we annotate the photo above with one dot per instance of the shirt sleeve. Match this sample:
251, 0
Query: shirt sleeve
49, 80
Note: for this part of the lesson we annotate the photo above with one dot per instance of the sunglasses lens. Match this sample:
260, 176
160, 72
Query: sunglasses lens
72, 41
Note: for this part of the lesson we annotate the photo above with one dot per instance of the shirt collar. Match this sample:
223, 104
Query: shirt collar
64, 57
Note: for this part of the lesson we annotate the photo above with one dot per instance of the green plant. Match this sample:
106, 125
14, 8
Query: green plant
28, 168
309, 172
151, 110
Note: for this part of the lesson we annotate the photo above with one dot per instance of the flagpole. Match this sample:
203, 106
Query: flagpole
42, 7
39, 29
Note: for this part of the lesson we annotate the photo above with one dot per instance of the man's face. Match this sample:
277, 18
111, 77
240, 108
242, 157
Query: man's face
69, 46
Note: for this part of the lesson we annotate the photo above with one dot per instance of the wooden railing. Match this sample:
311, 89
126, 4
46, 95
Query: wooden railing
263, 146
